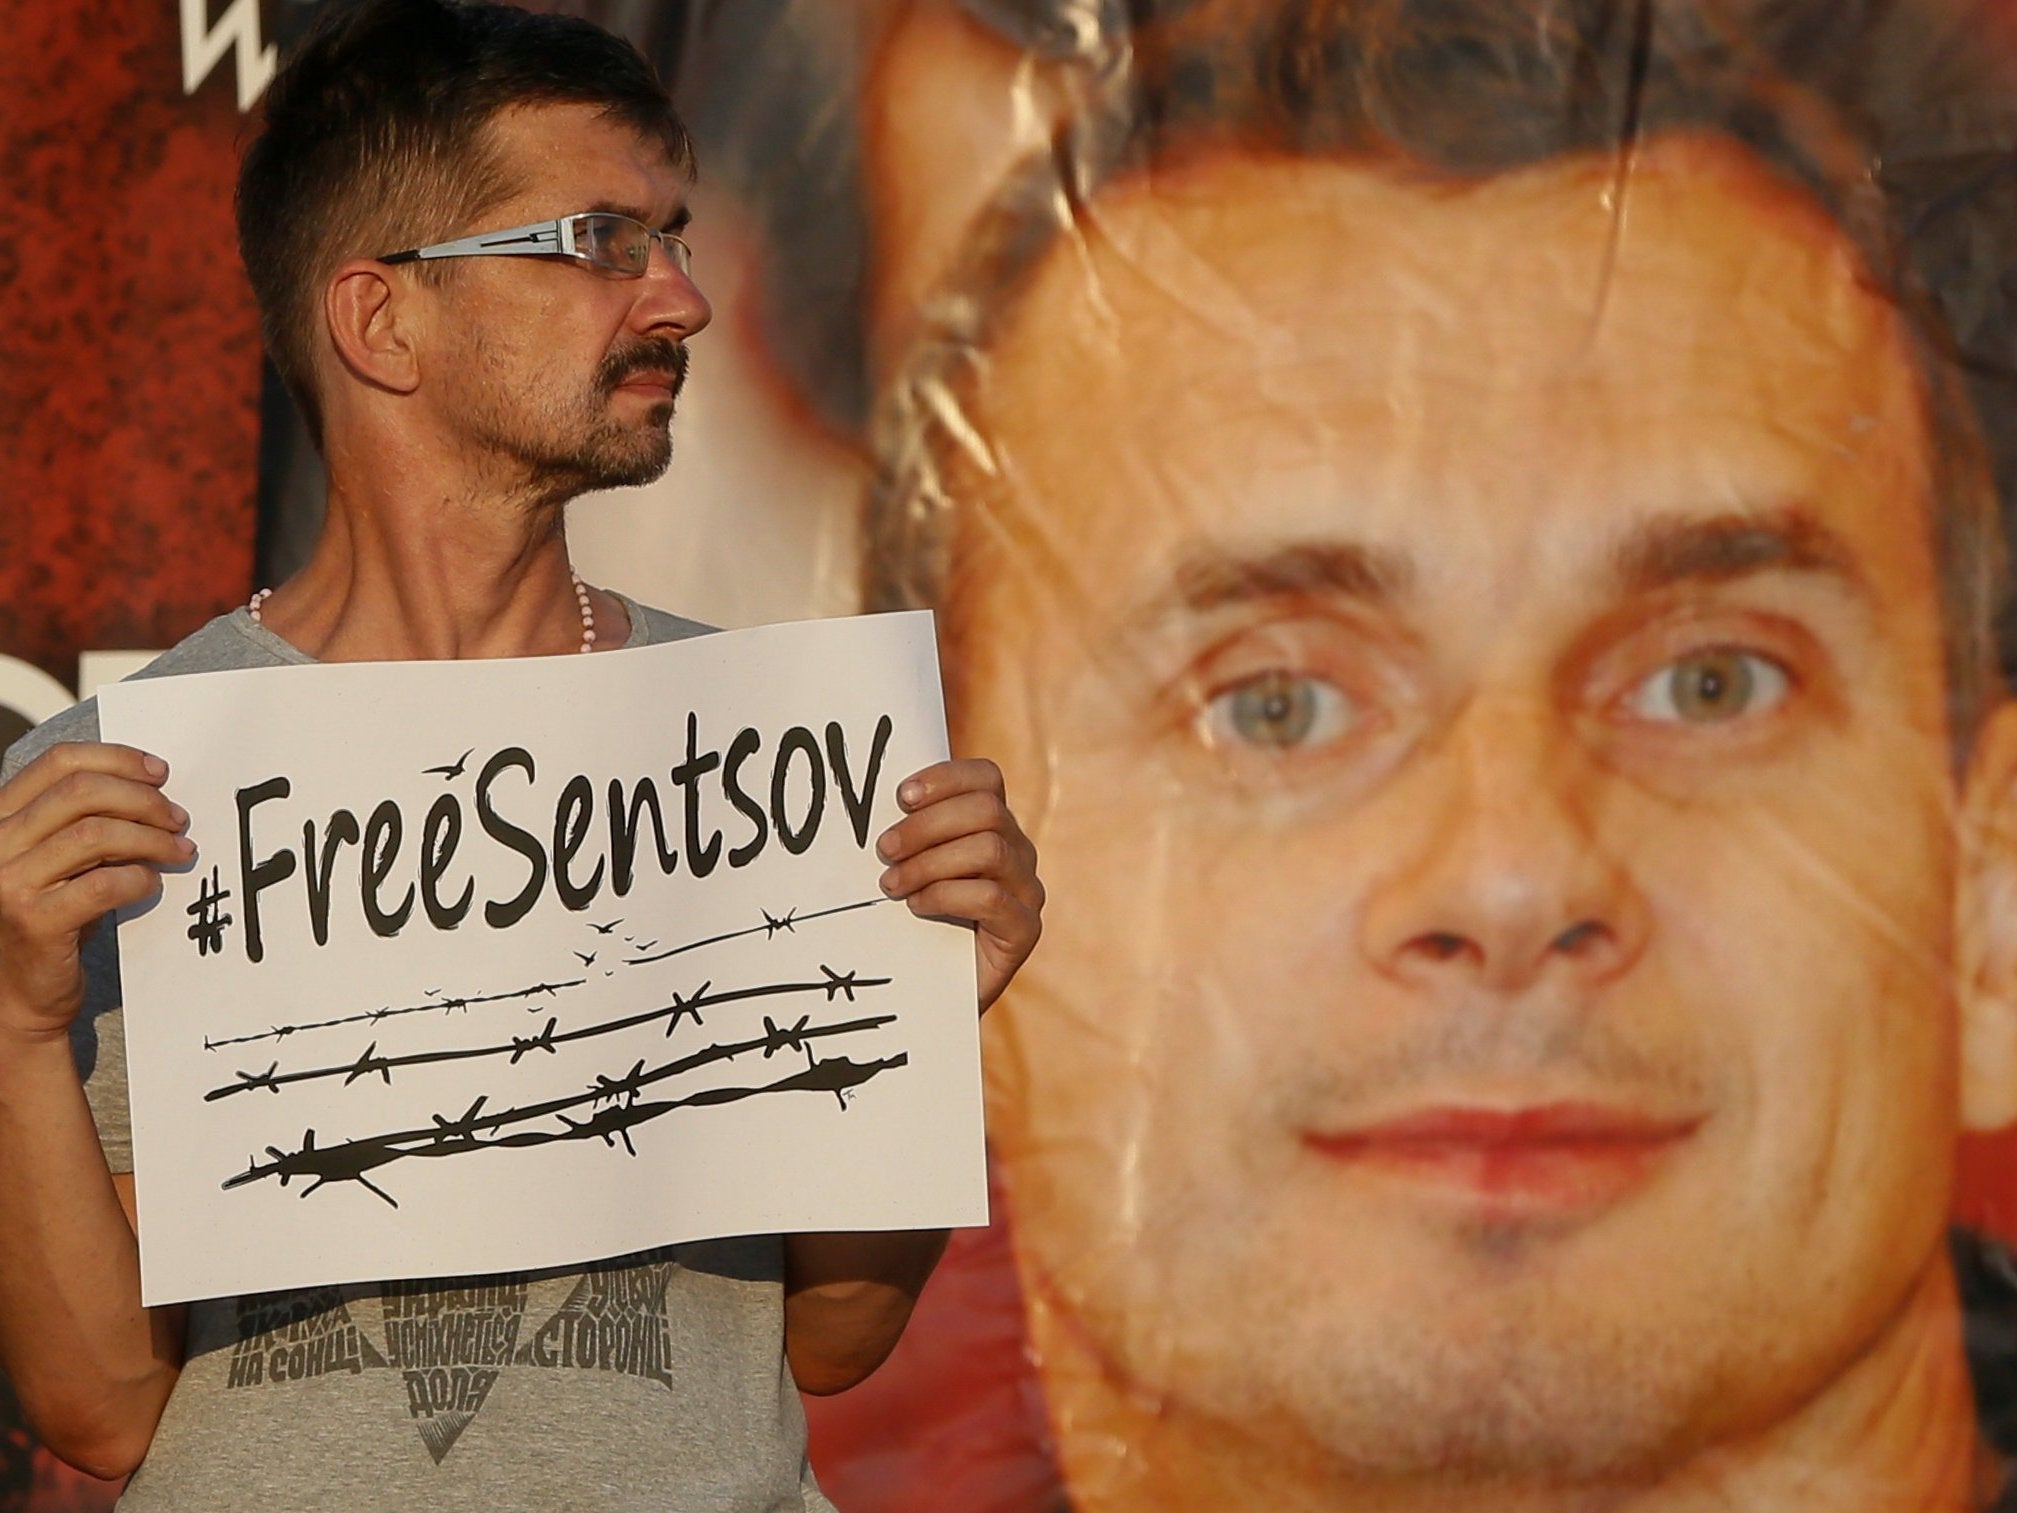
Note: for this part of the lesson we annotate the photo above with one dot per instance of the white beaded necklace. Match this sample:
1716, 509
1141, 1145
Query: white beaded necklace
580, 598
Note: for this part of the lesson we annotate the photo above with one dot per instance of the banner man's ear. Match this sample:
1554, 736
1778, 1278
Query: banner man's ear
362, 306
1986, 927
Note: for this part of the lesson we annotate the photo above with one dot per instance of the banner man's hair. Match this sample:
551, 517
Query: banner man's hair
1899, 116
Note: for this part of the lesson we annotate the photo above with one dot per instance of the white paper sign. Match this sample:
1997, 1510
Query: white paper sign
488, 966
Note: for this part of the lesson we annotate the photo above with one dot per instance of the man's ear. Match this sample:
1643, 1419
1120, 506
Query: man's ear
1986, 926
367, 310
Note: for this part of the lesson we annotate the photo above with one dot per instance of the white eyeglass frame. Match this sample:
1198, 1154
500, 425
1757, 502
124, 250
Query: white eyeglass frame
554, 238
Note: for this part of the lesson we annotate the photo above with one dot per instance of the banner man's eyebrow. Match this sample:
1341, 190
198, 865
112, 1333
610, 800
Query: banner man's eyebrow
1217, 580
1673, 551
1662, 553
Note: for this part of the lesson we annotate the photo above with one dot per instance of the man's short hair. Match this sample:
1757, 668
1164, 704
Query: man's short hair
1900, 118
375, 140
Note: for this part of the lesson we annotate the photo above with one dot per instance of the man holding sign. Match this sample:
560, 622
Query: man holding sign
462, 392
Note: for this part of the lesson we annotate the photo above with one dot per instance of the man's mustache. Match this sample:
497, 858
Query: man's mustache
656, 354
1541, 1049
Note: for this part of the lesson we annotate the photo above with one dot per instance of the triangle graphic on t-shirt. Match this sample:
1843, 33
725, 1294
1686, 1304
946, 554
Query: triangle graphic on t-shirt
535, 1349
440, 1433
450, 1346
613, 1320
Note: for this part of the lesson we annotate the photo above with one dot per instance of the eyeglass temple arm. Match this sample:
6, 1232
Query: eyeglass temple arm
521, 241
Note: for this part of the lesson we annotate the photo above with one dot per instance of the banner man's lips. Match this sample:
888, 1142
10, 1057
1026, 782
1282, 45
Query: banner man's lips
1537, 1158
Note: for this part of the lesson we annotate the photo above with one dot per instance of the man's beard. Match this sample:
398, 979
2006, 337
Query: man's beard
593, 450
621, 458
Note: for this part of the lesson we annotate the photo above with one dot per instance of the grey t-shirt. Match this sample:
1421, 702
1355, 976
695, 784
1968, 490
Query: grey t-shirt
655, 1381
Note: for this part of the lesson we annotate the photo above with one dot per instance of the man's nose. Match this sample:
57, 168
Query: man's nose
669, 302
1496, 874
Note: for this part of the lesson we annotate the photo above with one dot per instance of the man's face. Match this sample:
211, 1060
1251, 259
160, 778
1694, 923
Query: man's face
1476, 652
565, 373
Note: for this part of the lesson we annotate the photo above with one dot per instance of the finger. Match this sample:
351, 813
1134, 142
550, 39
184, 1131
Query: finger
988, 857
80, 795
55, 920
91, 792
983, 903
67, 758
943, 820
97, 840
72, 906
944, 779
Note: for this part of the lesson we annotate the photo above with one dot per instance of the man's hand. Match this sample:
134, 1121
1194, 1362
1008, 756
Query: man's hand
959, 854
84, 828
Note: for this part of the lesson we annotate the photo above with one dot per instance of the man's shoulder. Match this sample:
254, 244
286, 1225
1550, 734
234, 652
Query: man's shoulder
221, 645
651, 626
77, 723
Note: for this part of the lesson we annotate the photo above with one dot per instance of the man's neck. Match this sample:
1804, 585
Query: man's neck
394, 576
1893, 1433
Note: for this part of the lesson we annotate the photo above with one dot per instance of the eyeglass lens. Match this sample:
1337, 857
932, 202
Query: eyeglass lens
619, 243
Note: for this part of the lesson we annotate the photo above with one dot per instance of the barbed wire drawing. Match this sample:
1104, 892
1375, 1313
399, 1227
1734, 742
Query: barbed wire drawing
772, 924
351, 1160
432, 1005
609, 1108
370, 1063
438, 1001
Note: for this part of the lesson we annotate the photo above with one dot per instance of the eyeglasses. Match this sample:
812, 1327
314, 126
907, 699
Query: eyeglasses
601, 238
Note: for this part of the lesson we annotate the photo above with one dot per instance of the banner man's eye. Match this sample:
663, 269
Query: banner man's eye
1708, 687
1277, 709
